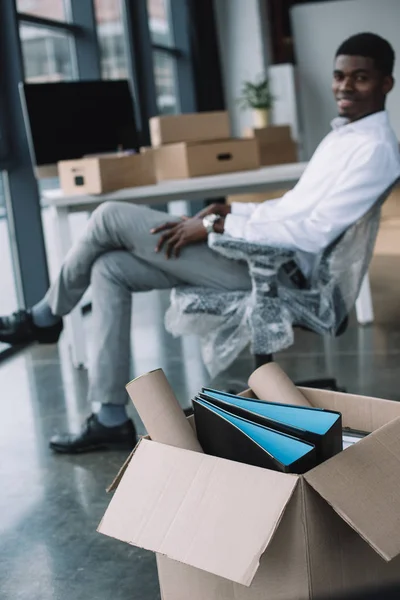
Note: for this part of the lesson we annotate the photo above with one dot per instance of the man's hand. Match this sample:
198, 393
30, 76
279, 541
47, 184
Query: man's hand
178, 235
214, 209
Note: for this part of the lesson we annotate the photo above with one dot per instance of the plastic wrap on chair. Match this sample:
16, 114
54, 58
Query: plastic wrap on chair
221, 325
227, 321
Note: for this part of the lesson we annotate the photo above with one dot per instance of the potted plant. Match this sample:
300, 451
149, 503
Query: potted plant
256, 95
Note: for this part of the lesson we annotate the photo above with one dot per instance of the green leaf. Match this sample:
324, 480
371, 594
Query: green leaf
256, 94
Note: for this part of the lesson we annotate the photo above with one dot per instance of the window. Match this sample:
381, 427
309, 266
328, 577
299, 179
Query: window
164, 56
47, 54
58, 42
110, 31
164, 78
49, 9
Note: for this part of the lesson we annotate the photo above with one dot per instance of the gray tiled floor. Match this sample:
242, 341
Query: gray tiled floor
50, 505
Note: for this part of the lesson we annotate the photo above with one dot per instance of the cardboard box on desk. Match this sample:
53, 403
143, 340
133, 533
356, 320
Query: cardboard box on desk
388, 238
101, 174
275, 144
195, 159
391, 207
228, 531
257, 198
189, 127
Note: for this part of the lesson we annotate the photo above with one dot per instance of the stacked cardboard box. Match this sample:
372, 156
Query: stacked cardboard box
275, 144
193, 145
388, 240
257, 198
224, 530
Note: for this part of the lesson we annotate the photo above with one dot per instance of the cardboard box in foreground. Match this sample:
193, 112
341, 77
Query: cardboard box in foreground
227, 531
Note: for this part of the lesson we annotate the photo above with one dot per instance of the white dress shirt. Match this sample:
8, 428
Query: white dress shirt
353, 165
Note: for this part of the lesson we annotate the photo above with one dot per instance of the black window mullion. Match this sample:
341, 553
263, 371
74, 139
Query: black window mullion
86, 40
21, 190
174, 52
61, 26
184, 67
141, 62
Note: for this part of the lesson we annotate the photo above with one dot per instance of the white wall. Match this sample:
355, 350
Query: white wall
244, 46
319, 29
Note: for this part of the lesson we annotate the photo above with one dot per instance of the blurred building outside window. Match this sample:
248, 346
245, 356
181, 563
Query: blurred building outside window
48, 54
110, 32
164, 59
49, 9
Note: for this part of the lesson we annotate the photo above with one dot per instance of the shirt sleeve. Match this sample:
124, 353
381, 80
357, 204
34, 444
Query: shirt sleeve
246, 209
369, 174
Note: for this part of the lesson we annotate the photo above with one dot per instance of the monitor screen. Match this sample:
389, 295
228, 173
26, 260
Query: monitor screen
72, 119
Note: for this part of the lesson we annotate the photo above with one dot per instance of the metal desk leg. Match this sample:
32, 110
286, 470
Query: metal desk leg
364, 308
73, 322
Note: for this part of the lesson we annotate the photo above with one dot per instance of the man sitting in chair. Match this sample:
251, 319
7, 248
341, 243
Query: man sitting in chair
118, 254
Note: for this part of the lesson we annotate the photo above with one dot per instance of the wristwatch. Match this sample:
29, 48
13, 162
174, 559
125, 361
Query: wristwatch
209, 220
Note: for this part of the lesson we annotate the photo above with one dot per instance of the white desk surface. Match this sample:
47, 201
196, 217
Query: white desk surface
211, 186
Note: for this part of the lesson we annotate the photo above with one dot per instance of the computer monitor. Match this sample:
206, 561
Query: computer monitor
69, 120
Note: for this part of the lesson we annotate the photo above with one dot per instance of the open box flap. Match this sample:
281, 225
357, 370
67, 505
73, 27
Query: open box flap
117, 479
362, 484
209, 513
358, 412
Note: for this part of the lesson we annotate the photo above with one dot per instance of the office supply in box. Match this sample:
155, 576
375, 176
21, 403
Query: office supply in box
320, 427
233, 437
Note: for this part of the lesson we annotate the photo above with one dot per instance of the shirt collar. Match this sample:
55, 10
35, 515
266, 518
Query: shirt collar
367, 123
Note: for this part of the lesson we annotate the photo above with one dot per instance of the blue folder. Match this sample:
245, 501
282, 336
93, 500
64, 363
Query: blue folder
320, 427
229, 436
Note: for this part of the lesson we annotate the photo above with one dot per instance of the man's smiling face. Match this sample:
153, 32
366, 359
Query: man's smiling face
359, 88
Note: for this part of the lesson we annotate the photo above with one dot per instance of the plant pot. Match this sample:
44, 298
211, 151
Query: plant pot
260, 117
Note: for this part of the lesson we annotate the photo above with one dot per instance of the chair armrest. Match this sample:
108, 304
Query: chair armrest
240, 249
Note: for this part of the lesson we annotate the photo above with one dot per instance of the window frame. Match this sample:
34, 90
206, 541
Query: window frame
23, 203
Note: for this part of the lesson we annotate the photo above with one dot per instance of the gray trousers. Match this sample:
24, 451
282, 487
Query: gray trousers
116, 255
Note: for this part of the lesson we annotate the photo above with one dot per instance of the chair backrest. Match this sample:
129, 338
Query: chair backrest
339, 274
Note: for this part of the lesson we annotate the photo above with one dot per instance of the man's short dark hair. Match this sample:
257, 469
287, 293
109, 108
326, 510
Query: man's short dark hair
372, 46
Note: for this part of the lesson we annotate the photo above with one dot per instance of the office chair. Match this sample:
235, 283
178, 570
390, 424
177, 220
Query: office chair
266, 316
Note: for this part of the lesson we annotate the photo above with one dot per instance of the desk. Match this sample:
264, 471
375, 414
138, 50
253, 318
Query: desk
246, 182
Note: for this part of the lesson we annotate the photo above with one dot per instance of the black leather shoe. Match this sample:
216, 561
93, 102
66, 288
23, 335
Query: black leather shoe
19, 328
94, 436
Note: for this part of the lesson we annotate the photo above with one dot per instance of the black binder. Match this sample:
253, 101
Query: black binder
229, 436
317, 426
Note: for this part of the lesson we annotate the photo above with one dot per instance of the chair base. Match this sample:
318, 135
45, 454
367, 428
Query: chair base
326, 383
